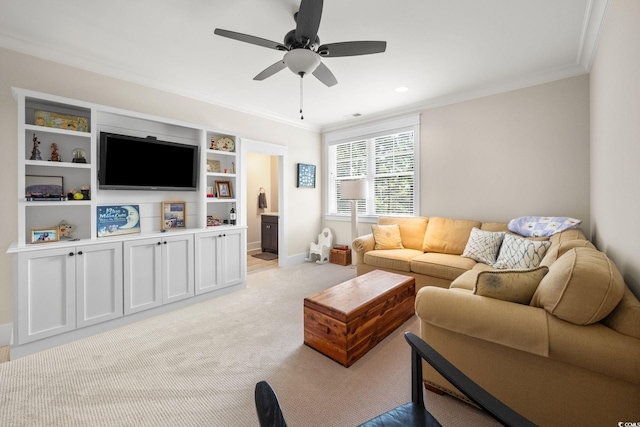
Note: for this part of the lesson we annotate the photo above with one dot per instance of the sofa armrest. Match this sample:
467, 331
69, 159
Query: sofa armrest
361, 245
513, 325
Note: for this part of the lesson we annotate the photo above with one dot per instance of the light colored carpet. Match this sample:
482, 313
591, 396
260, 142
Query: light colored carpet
198, 366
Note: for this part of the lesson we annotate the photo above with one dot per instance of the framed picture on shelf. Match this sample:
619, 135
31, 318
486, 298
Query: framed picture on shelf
45, 235
213, 165
41, 187
306, 175
115, 220
174, 215
224, 189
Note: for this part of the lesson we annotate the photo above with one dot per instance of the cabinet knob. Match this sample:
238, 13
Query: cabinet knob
79, 252
164, 242
158, 243
71, 254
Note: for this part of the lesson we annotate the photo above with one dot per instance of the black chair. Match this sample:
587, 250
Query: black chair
413, 413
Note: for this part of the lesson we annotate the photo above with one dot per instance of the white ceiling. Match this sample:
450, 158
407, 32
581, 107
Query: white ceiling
443, 50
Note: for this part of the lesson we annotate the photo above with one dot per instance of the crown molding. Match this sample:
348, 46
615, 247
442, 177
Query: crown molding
595, 14
86, 63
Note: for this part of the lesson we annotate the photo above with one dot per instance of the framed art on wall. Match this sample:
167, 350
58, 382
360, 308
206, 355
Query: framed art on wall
173, 215
306, 175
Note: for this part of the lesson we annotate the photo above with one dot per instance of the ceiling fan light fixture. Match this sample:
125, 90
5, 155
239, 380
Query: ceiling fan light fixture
301, 61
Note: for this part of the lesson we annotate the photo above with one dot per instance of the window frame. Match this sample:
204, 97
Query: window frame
370, 131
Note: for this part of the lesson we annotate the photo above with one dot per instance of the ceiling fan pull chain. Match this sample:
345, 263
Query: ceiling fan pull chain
301, 98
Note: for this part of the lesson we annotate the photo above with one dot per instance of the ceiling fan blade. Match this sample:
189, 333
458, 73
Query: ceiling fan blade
333, 50
271, 70
324, 74
308, 21
250, 39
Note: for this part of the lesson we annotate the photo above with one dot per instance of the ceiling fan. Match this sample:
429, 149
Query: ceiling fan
303, 49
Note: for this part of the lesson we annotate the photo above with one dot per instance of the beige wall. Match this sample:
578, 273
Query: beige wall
615, 140
524, 152
28, 72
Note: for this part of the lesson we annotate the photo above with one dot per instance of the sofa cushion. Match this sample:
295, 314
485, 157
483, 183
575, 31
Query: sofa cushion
412, 229
625, 318
518, 252
387, 236
443, 266
494, 226
448, 236
483, 246
583, 286
557, 250
509, 285
539, 226
466, 280
565, 236
392, 259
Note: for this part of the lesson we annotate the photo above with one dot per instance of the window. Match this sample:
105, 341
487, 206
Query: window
385, 156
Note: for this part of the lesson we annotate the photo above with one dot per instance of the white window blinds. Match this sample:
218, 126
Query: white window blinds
387, 161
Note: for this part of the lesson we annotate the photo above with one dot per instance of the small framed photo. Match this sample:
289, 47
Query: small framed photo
306, 175
174, 215
224, 189
213, 165
45, 235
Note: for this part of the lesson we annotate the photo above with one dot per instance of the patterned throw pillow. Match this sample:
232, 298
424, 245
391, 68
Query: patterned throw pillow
542, 226
510, 285
483, 246
387, 236
520, 253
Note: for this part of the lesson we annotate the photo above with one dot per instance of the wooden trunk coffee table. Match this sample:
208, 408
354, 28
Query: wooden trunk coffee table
349, 319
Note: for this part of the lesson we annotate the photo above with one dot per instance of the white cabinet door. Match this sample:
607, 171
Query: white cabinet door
98, 283
142, 264
46, 293
208, 262
234, 257
177, 268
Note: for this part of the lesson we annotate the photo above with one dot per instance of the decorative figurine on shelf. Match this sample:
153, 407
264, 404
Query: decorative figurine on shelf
65, 229
78, 156
55, 157
35, 152
85, 192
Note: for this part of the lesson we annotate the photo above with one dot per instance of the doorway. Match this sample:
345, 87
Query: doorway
265, 196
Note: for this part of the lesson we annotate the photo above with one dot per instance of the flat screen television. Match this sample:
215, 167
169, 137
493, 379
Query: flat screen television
134, 163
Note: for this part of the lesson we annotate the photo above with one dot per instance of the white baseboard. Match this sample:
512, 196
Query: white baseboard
290, 261
6, 334
252, 246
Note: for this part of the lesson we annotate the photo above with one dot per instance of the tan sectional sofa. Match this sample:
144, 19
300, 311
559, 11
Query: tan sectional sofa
570, 356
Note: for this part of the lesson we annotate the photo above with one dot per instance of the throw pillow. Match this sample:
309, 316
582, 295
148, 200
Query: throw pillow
510, 285
520, 253
483, 246
387, 236
412, 229
541, 226
448, 236
583, 286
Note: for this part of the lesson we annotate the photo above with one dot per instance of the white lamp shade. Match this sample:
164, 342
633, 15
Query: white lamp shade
353, 190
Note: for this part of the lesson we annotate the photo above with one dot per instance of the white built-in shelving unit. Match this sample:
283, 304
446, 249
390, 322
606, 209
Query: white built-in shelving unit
73, 288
